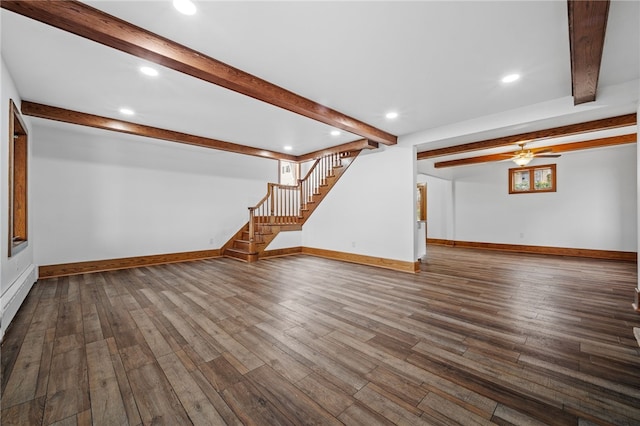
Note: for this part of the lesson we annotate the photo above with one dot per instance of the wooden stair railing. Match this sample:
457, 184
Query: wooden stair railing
287, 207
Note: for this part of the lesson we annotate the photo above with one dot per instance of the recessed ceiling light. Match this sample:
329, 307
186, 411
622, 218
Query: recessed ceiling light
185, 7
391, 115
288, 148
126, 111
510, 78
152, 72
335, 133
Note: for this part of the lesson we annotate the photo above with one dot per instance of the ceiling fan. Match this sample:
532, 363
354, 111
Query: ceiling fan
523, 157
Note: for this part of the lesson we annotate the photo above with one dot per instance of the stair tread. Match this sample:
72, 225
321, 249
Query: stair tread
249, 242
237, 250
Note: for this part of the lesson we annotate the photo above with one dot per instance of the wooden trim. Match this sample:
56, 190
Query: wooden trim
82, 119
396, 265
66, 269
627, 256
18, 180
93, 24
572, 129
636, 303
349, 146
50, 271
421, 207
587, 28
553, 149
280, 252
531, 170
440, 242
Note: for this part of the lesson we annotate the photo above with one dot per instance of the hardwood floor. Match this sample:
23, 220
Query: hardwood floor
477, 337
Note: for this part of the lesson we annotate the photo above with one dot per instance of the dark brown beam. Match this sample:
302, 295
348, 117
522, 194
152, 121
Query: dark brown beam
553, 149
93, 24
74, 117
572, 129
472, 160
349, 146
587, 28
593, 143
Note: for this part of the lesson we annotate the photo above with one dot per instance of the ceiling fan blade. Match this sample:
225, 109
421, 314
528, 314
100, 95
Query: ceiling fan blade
548, 156
544, 151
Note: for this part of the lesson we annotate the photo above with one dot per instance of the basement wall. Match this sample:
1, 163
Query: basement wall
18, 273
371, 211
103, 195
595, 206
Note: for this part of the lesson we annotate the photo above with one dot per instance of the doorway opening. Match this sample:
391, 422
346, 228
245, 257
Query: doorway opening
288, 173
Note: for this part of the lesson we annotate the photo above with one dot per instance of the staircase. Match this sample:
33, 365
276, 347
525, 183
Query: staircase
287, 208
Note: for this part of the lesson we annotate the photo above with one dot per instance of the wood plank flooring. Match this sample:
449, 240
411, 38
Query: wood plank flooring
477, 337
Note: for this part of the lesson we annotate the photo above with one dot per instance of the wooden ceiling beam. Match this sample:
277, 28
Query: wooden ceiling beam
471, 160
74, 117
349, 146
93, 24
34, 109
587, 28
572, 129
553, 149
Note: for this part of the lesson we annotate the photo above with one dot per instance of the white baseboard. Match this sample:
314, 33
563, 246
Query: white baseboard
14, 296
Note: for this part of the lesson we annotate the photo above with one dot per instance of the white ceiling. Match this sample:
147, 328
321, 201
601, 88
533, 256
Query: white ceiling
438, 64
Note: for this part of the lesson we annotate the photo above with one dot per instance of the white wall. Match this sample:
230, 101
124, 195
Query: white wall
103, 195
286, 240
18, 273
371, 211
595, 206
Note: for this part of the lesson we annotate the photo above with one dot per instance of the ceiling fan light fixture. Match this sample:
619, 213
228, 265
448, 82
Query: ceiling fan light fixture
523, 158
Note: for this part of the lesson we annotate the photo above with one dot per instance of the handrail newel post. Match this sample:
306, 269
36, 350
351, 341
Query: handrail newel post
251, 225
271, 203
300, 198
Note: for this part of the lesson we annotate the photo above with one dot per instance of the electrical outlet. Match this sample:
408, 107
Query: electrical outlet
210, 241
522, 235
353, 244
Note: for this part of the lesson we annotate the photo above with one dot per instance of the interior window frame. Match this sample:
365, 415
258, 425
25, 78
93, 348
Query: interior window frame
531, 173
18, 182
